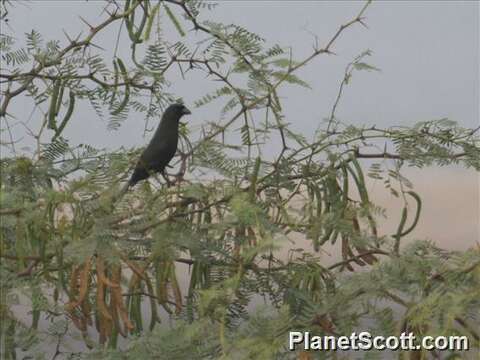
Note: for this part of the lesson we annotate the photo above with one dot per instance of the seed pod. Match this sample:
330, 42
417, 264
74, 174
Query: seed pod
53, 106
126, 80
68, 115
398, 235
417, 213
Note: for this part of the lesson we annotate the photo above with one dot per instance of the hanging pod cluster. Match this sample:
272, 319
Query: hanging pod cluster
144, 26
110, 307
165, 279
334, 215
118, 309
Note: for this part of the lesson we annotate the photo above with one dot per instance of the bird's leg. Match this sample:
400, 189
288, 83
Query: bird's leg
165, 176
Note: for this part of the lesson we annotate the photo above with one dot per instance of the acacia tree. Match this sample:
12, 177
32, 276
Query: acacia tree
107, 265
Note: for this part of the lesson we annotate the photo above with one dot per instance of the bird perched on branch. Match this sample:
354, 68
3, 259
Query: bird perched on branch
162, 147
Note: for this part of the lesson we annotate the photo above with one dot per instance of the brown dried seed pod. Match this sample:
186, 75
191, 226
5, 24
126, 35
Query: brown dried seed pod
117, 295
101, 273
83, 288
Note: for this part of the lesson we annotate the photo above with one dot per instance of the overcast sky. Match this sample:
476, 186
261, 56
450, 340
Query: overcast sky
428, 53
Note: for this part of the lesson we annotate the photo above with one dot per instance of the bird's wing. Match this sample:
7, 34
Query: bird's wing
153, 154
157, 156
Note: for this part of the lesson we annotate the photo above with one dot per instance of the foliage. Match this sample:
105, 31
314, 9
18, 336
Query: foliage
96, 264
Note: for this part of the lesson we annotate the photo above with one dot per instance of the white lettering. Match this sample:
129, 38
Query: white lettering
295, 337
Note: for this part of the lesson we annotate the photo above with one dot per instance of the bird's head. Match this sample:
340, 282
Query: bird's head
177, 111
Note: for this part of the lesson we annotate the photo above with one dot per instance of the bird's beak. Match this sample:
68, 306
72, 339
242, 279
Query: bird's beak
185, 111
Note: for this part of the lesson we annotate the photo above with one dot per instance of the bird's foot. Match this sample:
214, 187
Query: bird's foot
167, 180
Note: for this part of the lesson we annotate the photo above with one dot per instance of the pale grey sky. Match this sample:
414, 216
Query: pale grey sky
428, 53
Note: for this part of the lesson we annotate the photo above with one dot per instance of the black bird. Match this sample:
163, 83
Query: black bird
163, 145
